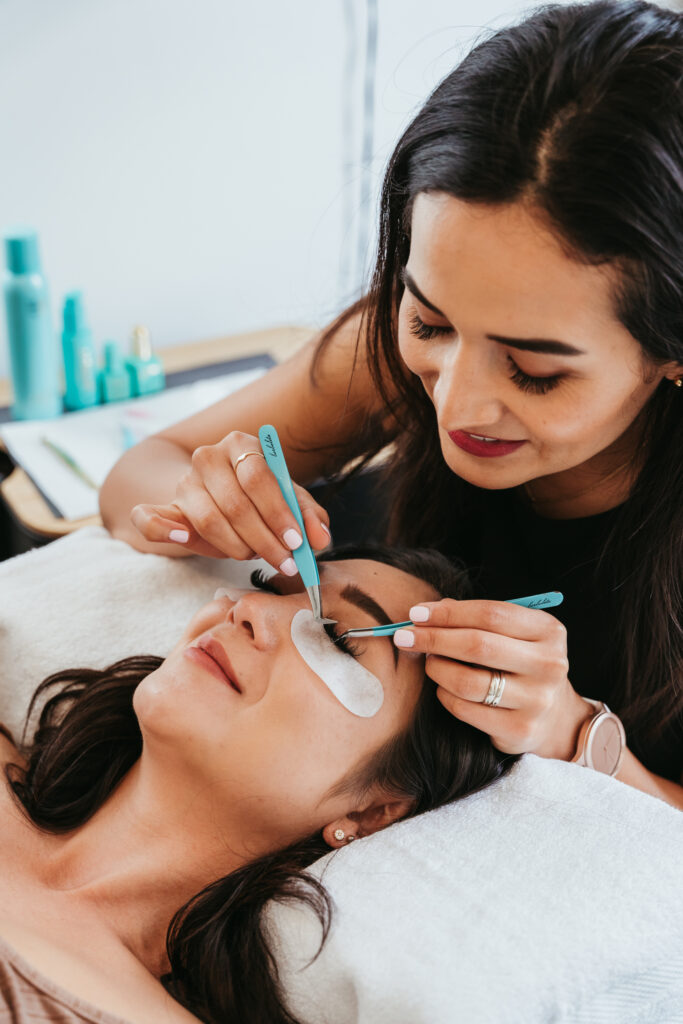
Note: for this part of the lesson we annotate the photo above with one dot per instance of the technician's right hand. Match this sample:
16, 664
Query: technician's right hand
229, 505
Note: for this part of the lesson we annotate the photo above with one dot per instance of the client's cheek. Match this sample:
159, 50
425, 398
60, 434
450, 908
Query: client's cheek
356, 689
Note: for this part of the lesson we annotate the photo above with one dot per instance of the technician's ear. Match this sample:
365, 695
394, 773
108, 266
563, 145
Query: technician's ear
372, 819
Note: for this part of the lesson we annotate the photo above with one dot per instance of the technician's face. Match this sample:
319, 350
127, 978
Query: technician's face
508, 412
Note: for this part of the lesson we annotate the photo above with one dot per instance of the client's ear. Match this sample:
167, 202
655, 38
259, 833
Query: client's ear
380, 813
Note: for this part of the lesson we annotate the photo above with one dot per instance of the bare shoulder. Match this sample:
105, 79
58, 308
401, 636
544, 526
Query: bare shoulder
313, 399
121, 986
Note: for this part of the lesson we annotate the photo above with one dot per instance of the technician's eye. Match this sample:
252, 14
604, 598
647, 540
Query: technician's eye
533, 385
262, 582
342, 642
422, 330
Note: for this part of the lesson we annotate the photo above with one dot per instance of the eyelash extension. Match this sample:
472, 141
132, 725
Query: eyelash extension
343, 642
533, 385
422, 330
262, 582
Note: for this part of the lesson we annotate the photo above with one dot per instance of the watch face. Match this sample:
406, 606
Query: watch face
605, 745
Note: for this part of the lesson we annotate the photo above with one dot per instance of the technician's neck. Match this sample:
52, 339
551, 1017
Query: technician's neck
600, 484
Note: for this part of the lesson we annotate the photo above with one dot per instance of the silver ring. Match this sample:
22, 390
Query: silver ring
493, 697
246, 456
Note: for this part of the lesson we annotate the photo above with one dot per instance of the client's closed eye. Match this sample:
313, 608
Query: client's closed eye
344, 643
263, 582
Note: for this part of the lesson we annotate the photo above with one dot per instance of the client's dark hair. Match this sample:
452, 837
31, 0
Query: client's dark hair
222, 968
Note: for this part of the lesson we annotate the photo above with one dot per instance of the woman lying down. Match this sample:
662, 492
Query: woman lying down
162, 803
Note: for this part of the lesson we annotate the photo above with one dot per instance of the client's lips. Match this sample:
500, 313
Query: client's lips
216, 652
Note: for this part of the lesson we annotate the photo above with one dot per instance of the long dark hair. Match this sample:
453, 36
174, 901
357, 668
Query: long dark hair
222, 968
578, 110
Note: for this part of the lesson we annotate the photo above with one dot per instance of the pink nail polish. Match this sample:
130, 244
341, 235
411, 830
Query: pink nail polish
419, 613
404, 638
292, 539
179, 536
288, 567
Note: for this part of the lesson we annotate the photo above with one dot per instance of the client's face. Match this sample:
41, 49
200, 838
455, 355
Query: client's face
265, 729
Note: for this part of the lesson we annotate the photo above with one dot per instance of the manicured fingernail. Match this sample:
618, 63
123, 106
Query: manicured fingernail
293, 540
325, 529
288, 567
404, 638
179, 536
419, 613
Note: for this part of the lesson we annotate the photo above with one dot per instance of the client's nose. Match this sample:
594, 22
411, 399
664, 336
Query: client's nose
257, 616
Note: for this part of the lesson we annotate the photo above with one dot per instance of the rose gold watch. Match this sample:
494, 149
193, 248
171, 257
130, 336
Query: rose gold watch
601, 740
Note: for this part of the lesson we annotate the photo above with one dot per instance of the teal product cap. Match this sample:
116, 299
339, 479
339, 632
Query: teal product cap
21, 251
74, 313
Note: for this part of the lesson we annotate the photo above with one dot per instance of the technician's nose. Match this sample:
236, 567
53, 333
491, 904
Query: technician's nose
463, 392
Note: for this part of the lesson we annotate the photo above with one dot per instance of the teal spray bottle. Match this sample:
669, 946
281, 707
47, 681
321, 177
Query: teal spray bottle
33, 349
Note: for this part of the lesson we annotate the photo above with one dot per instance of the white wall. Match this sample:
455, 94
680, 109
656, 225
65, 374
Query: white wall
184, 160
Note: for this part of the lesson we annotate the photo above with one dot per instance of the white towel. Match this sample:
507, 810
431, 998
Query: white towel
554, 896
87, 600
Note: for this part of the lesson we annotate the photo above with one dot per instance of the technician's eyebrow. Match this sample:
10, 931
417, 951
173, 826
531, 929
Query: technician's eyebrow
545, 346
354, 595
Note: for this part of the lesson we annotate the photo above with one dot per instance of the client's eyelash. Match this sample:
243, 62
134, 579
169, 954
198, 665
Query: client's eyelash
342, 642
262, 582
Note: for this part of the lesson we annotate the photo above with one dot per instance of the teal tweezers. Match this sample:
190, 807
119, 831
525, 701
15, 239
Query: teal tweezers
550, 600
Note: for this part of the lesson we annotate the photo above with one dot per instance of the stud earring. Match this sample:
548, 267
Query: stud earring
339, 834
679, 382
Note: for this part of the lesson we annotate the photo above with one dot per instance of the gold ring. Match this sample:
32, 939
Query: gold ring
246, 456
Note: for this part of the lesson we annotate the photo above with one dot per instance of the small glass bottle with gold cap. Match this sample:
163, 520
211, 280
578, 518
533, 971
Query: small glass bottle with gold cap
144, 368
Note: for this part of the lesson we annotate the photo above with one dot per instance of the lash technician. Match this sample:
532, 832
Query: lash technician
520, 349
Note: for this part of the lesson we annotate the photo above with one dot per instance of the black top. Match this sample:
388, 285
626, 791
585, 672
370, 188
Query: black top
514, 552
511, 551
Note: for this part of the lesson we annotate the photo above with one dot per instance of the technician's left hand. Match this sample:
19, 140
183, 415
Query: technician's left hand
467, 641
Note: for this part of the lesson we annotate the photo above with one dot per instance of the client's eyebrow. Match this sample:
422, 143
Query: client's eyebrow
546, 346
354, 595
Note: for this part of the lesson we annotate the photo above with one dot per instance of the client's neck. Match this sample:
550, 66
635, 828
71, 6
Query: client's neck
148, 849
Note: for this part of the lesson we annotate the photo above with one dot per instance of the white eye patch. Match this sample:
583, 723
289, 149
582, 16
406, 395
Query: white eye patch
358, 690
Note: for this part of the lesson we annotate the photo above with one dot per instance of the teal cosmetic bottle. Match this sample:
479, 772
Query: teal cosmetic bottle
80, 369
33, 349
114, 380
144, 368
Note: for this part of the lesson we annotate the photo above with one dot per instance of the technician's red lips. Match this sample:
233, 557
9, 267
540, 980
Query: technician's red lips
215, 651
487, 449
